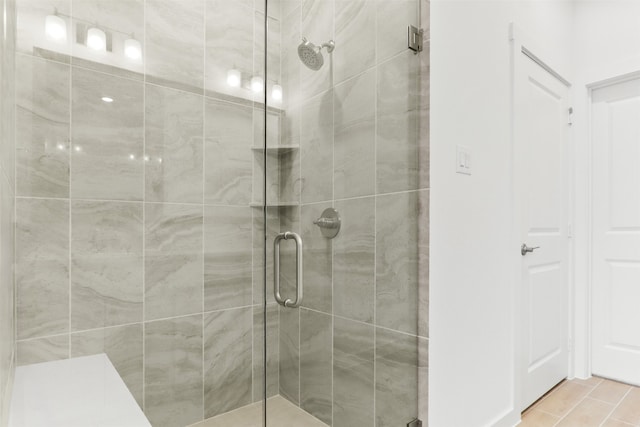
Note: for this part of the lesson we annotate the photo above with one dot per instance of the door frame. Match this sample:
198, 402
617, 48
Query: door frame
521, 46
584, 324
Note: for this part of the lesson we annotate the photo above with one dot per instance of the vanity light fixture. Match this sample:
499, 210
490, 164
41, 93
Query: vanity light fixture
276, 92
96, 39
234, 78
257, 84
55, 28
133, 49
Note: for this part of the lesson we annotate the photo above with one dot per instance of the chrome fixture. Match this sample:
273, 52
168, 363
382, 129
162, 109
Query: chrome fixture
311, 55
276, 269
329, 223
524, 249
414, 38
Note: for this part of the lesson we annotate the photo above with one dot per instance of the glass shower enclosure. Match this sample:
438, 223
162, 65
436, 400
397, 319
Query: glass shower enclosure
230, 200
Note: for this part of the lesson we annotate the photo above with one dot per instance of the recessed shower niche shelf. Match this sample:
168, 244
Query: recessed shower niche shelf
277, 149
275, 204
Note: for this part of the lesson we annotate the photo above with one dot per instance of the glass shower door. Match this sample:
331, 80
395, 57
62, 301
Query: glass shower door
346, 160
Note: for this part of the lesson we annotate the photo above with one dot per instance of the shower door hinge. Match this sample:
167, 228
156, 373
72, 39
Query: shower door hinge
415, 423
415, 36
570, 116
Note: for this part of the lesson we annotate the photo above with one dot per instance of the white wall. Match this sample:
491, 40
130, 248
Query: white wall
607, 44
471, 318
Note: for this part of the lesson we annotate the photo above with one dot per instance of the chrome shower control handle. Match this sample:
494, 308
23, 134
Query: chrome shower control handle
327, 223
524, 249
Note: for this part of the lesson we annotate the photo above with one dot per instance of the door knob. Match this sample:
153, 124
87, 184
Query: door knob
524, 249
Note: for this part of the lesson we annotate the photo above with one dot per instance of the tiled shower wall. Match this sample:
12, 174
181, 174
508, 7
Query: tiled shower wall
7, 206
135, 233
355, 353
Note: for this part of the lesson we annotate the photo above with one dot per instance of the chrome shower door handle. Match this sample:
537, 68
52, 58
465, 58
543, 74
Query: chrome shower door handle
276, 269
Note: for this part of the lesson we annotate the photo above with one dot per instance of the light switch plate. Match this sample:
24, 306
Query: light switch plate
463, 160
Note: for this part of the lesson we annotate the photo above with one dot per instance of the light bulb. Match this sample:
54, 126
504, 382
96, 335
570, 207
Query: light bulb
56, 28
132, 49
234, 78
276, 92
107, 99
257, 84
96, 39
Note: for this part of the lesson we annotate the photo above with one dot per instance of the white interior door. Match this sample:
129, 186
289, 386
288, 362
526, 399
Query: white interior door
616, 232
541, 146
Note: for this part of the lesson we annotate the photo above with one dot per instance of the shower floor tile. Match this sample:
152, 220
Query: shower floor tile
280, 413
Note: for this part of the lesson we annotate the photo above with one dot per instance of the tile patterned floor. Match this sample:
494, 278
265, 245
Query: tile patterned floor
280, 413
595, 402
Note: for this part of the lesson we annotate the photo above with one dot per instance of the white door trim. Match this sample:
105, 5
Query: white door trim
586, 355
522, 46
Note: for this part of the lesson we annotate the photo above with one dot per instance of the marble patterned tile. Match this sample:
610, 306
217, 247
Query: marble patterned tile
290, 72
354, 260
264, 282
289, 350
123, 346
228, 157
272, 327
423, 378
353, 370
174, 147
42, 297
355, 22
43, 111
316, 364
121, 19
7, 284
424, 116
107, 264
401, 158
173, 371
174, 54
227, 257
107, 137
317, 26
173, 260
229, 43
316, 260
393, 17
274, 48
401, 248
42, 267
316, 148
105, 291
228, 360
46, 349
396, 378
173, 229
288, 7
106, 228
42, 229
30, 31
8, 98
355, 137
173, 285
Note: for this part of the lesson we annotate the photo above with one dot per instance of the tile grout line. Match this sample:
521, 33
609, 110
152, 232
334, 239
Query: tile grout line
70, 204
144, 231
203, 180
616, 406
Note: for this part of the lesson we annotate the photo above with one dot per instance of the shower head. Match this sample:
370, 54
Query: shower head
311, 55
